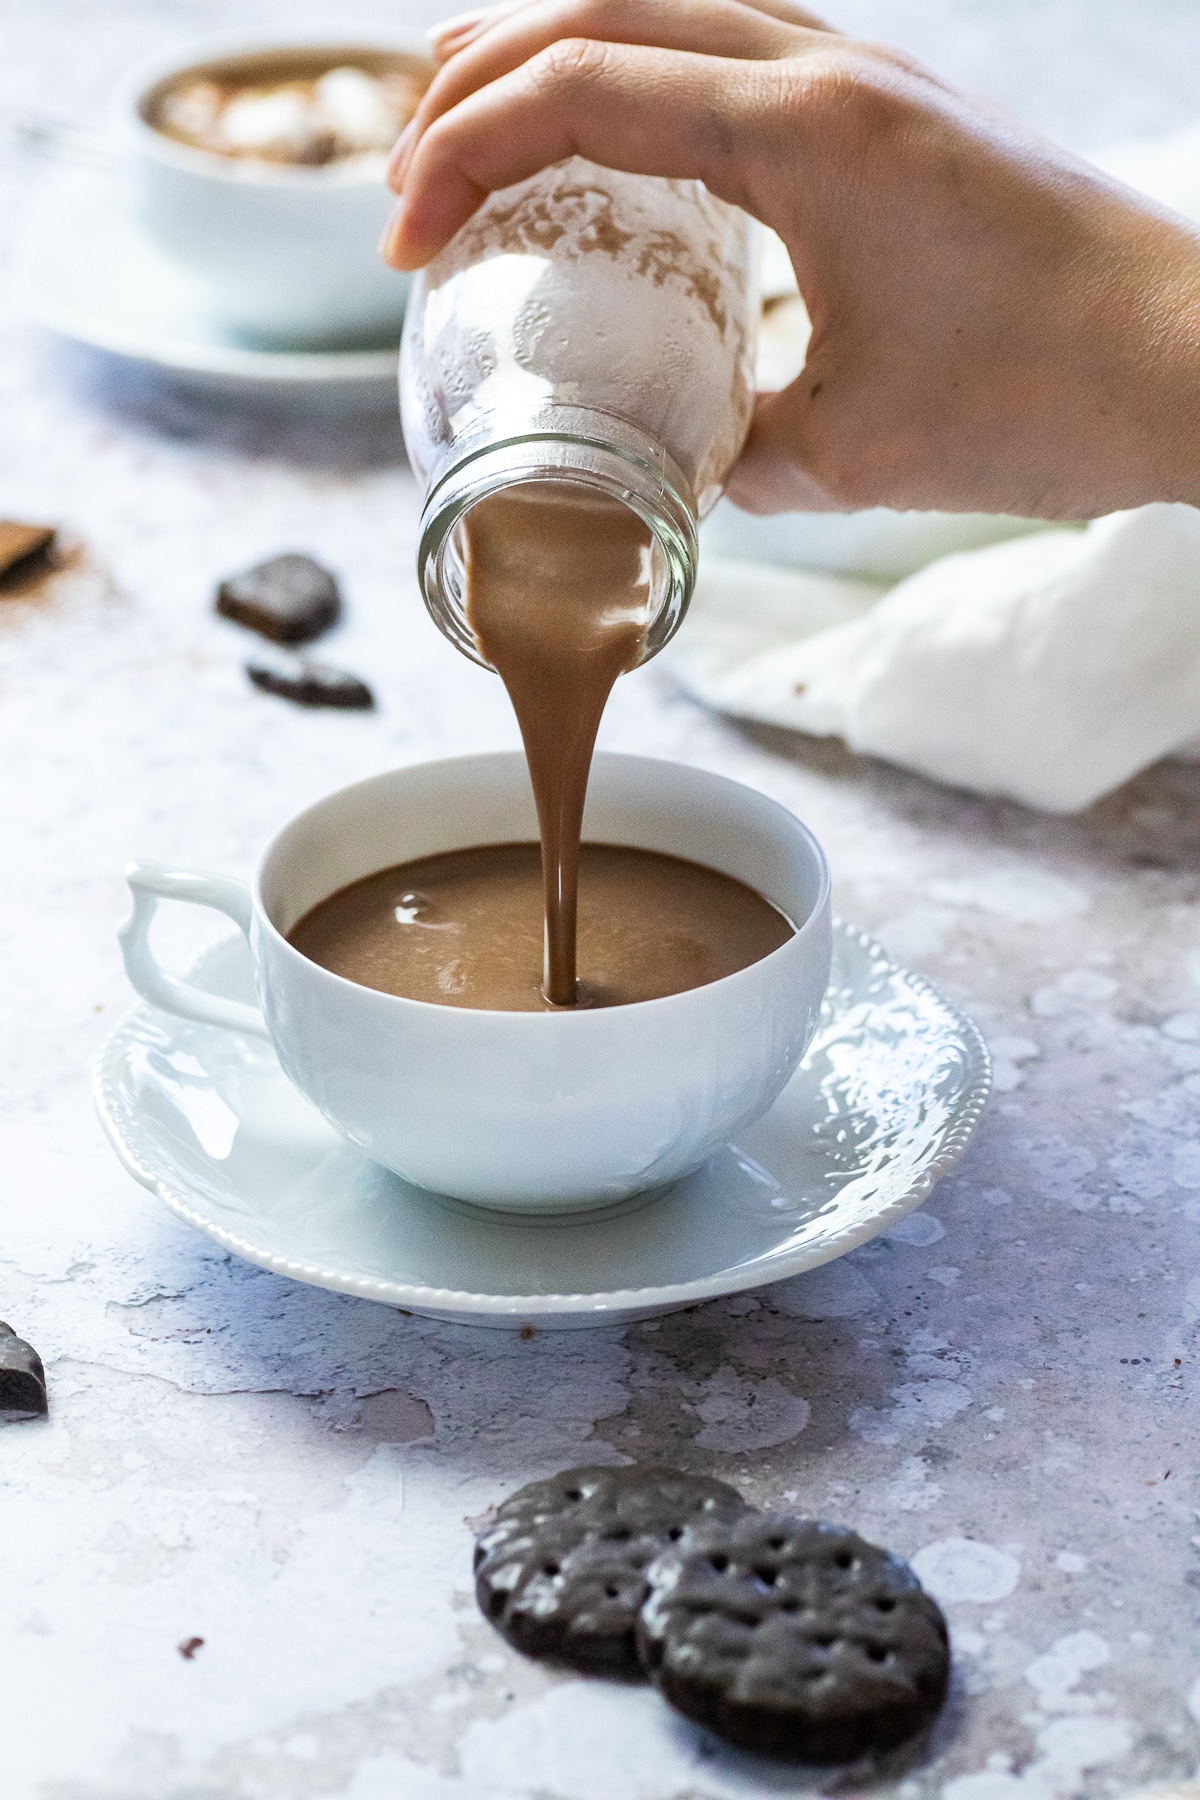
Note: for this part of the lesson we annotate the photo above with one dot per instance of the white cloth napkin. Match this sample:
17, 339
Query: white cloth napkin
1049, 667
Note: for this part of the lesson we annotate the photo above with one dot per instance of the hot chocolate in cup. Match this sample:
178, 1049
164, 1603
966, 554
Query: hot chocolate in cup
284, 252
527, 1112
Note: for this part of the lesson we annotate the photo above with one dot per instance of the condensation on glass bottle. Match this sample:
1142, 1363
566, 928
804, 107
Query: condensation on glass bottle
591, 327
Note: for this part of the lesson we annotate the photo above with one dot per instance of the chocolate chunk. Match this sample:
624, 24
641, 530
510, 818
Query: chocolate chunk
561, 1572
22, 1377
290, 599
311, 683
21, 545
795, 1638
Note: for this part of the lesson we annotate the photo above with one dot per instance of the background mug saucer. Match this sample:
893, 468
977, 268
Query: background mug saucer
85, 270
883, 1105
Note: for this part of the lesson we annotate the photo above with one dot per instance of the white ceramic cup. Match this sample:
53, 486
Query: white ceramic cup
286, 256
527, 1112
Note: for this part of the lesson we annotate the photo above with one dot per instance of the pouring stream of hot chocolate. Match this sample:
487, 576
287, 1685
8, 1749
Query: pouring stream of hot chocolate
558, 596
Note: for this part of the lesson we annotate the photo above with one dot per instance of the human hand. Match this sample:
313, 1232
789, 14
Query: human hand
996, 327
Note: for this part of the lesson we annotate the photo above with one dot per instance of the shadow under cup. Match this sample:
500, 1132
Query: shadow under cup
542, 1112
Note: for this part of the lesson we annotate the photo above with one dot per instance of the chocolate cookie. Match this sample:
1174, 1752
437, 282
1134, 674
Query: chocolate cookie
22, 1377
290, 599
561, 1571
311, 683
22, 545
795, 1638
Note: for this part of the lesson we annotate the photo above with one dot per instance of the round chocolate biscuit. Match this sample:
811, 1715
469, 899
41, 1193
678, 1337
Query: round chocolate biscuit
795, 1638
561, 1570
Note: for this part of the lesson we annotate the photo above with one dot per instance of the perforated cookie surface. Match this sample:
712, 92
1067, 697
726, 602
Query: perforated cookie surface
561, 1572
794, 1637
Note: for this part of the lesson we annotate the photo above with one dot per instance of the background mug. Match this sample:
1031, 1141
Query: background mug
527, 1112
286, 254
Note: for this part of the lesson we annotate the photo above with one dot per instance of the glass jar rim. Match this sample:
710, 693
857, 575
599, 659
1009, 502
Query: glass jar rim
639, 475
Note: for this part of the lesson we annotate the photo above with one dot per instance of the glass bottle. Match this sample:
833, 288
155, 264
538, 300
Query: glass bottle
584, 326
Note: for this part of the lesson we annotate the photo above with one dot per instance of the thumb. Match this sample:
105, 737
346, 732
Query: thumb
775, 472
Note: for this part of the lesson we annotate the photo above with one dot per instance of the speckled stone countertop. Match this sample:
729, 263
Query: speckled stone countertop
1007, 1386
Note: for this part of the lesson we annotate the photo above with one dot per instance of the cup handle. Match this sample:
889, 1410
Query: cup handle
58, 142
150, 882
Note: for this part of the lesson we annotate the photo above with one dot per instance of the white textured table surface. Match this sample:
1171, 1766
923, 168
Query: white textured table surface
1008, 1387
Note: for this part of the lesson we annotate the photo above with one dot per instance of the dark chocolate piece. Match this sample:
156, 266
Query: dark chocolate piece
311, 683
290, 599
795, 1638
22, 1377
561, 1571
21, 544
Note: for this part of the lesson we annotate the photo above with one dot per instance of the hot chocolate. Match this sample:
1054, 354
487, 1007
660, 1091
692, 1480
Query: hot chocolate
465, 928
576, 382
558, 596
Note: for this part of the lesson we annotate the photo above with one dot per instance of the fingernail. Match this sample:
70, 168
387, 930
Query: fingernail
460, 22
393, 231
402, 149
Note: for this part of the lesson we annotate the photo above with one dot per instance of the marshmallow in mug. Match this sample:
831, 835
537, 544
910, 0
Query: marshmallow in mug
260, 168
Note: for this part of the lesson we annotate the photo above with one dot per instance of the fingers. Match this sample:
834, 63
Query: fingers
646, 111
511, 35
788, 14
454, 34
451, 35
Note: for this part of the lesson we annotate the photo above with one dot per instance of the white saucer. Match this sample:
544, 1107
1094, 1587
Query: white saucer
85, 271
882, 1106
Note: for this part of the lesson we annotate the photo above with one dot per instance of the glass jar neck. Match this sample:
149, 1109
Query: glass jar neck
557, 442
